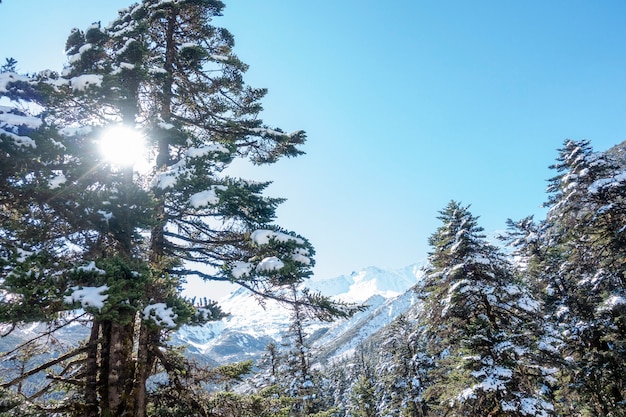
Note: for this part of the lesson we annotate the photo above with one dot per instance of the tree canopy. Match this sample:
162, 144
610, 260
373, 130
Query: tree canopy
82, 229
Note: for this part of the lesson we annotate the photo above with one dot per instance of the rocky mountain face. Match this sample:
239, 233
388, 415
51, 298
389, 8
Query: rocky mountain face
252, 326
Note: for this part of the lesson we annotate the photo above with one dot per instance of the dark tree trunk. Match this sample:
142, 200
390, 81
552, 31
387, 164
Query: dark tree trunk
120, 373
148, 339
91, 386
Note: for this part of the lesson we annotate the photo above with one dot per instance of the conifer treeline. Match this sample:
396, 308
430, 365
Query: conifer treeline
535, 329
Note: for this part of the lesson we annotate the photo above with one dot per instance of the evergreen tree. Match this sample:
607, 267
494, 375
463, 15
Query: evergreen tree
78, 230
362, 396
399, 377
291, 368
480, 327
583, 273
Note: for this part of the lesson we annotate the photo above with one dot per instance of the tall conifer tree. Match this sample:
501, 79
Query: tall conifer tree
583, 269
79, 230
480, 327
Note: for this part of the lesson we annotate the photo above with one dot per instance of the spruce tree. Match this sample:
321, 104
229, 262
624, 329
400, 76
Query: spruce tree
80, 231
399, 376
583, 270
480, 327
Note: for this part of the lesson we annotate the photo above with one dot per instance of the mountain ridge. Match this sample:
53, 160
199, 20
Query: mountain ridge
252, 326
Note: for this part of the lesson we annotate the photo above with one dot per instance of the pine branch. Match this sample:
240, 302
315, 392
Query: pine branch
204, 276
44, 366
45, 334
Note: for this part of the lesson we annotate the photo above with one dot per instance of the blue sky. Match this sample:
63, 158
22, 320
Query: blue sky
407, 104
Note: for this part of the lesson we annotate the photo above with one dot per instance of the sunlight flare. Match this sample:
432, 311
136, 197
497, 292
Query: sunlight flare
122, 145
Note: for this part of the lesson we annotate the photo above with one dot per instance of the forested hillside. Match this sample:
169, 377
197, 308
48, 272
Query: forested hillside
537, 328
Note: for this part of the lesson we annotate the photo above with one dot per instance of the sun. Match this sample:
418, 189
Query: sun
122, 145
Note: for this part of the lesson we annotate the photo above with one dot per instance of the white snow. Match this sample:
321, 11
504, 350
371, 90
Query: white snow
57, 180
263, 237
166, 180
170, 177
88, 296
57, 144
165, 126
161, 314
271, 263
206, 150
91, 267
271, 132
76, 57
23, 254
611, 302
204, 198
75, 131
301, 258
9, 77
123, 66
604, 183
241, 268
11, 119
82, 82
106, 216
20, 141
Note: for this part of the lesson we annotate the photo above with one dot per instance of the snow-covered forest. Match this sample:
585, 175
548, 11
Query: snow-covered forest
531, 325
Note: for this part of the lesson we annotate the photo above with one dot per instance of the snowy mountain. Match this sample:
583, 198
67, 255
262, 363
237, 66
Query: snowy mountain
251, 326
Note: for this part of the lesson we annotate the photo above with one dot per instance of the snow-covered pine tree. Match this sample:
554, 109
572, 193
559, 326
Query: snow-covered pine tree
583, 267
480, 327
360, 397
291, 369
363, 397
399, 378
78, 230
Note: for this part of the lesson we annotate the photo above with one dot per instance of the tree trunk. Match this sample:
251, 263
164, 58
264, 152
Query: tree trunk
148, 339
91, 387
121, 370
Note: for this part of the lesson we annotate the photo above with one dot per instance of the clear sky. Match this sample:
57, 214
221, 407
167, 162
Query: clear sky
407, 104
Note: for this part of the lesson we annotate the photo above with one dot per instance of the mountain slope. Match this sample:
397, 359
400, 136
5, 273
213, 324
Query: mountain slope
251, 326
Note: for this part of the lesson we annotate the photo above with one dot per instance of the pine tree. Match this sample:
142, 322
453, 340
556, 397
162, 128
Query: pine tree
77, 230
480, 327
583, 272
399, 377
291, 368
362, 396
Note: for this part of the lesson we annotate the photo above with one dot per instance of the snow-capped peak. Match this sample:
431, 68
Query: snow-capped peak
357, 287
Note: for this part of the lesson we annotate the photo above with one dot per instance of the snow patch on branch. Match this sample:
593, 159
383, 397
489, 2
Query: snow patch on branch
241, 269
302, 256
206, 198
91, 267
82, 82
76, 57
88, 296
161, 314
266, 132
605, 183
206, 150
10, 77
57, 180
263, 236
269, 264
612, 302
20, 141
8, 118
